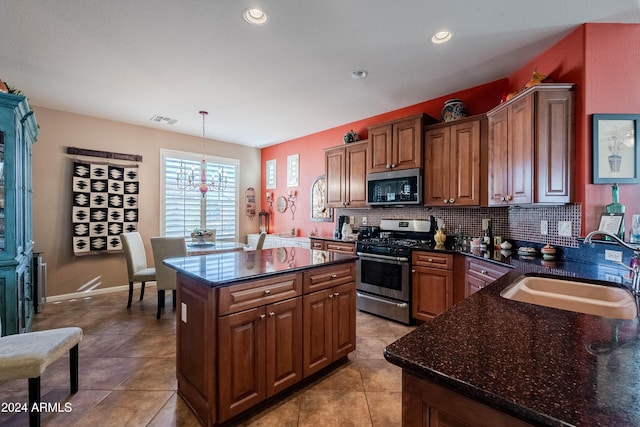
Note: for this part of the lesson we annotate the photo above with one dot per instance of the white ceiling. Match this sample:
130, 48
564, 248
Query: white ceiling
128, 60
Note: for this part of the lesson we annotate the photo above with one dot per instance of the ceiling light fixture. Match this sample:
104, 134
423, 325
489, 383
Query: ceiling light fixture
187, 179
255, 16
441, 36
358, 74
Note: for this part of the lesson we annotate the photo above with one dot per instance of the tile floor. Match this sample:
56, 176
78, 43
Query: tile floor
127, 373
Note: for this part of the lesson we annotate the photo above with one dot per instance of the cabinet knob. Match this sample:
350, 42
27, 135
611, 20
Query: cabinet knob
271, 313
388, 166
413, 271
336, 294
483, 271
452, 200
262, 317
430, 260
333, 276
392, 166
267, 291
330, 295
446, 201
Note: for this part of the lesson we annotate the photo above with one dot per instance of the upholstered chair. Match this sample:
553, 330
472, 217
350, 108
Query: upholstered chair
163, 248
137, 268
28, 355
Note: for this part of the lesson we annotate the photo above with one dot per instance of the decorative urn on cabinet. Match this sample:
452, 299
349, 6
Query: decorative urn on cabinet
453, 109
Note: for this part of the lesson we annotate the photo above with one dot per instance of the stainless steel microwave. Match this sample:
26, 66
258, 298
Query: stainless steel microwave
403, 187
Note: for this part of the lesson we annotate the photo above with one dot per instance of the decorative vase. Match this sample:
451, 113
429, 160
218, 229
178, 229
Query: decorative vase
440, 237
453, 109
351, 136
614, 162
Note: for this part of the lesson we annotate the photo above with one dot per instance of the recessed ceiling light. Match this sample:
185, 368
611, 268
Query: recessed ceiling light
441, 36
255, 16
358, 74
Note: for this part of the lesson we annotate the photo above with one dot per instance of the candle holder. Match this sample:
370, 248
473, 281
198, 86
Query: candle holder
292, 201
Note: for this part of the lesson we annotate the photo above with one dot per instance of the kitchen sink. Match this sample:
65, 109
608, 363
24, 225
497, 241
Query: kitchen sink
573, 295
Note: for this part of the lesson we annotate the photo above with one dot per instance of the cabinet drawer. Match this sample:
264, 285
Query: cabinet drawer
317, 244
433, 260
349, 248
326, 277
485, 270
259, 292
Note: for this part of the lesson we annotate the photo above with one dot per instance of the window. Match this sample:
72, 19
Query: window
184, 209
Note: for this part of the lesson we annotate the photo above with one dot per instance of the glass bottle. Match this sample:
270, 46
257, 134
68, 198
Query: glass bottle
616, 207
488, 236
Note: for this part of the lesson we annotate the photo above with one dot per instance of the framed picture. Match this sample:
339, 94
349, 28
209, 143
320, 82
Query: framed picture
292, 170
271, 174
611, 222
616, 155
319, 213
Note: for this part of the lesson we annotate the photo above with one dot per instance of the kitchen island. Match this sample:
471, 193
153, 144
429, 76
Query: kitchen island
492, 361
253, 324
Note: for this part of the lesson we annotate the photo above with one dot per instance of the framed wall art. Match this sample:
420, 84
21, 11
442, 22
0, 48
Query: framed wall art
318, 212
292, 170
616, 155
271, 174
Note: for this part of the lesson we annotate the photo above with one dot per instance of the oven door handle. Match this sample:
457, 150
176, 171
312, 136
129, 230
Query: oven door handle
386, 301
376, 257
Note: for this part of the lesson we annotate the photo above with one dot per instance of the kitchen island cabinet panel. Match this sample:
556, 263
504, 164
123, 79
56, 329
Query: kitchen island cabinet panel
247, 326
427, 404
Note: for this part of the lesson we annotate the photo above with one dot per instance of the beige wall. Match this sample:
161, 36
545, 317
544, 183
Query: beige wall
52, 195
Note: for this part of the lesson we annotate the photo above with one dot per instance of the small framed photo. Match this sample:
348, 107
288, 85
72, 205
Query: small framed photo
611, 222
616, 154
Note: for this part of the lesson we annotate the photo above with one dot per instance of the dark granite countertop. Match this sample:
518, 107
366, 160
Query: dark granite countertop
223, 269
543, 365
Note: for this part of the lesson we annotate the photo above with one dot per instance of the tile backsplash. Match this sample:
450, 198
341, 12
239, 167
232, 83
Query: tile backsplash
516, 223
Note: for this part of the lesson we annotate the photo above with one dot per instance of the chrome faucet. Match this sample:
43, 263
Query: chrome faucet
635, 270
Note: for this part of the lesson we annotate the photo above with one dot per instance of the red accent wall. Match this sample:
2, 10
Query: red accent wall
310, 148
603, 60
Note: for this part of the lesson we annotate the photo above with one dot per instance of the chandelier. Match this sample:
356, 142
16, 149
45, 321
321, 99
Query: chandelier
188, 179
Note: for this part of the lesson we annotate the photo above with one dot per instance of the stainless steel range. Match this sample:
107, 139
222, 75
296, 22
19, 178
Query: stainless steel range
384, 267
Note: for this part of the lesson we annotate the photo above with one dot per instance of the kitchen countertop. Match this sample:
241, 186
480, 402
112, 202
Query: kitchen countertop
543, 365
224, 269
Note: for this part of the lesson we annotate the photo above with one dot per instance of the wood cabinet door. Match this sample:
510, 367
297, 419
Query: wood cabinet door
317, 331
406, 147
356, 175
432, 292
344, 320
437, 174
335, 177
241, 365
520, 151
464, 164
554, 146
473, 284
498, 157
380, 148
283, 345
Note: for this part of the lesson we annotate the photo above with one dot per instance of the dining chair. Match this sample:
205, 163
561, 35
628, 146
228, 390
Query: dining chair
163, 248
27, 355
137, 268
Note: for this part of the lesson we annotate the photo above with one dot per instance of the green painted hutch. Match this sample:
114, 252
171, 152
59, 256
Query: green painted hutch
18, 132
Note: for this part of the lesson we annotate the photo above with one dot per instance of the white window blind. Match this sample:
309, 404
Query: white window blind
184, 209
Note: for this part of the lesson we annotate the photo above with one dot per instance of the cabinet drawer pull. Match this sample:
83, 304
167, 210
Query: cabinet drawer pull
267, 291
272, 314
262, 317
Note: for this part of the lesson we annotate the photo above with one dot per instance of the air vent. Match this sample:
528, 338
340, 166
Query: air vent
164, 120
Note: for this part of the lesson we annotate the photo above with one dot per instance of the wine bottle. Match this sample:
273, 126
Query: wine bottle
616, 207
488, 236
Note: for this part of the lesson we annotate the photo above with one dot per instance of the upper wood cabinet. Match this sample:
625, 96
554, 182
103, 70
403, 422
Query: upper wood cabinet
397, 145
531, 140
455, 163
346, 175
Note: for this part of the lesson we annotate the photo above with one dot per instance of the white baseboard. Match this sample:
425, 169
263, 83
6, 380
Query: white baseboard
94, 292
